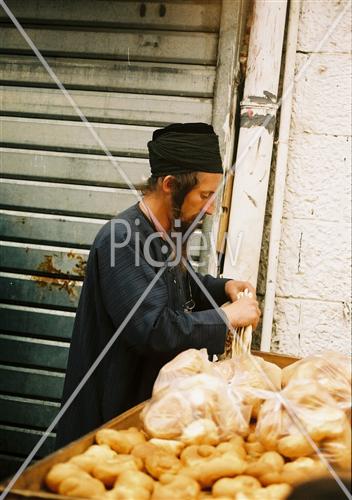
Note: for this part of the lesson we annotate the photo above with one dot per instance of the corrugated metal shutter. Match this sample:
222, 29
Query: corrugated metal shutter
131, 67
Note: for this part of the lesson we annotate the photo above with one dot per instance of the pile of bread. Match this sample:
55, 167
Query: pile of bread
240, 429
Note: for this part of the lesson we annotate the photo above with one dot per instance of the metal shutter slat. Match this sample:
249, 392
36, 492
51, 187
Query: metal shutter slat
119, 76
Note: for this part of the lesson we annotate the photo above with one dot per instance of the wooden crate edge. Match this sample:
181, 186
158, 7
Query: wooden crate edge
28, 486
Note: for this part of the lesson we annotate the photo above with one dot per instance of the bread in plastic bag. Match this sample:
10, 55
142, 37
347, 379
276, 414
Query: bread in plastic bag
225, 368
338, 451
250, 372
186, 364
309, 417
331, 370
167, 414
198, 409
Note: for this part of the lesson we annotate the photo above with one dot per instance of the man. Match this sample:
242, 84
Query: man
125, 258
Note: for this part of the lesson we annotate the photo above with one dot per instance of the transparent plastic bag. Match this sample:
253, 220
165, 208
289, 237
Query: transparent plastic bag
198, 409
252, 372
338, 451
225, 368
331, 370
184, 365
300, 419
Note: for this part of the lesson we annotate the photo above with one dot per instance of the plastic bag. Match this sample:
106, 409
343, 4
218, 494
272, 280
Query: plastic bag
252, 372
301, 418
198, 409
225, 369
184, 365
331, 370
338, 451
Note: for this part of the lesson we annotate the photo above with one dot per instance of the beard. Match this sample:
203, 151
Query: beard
184, 226
181, 227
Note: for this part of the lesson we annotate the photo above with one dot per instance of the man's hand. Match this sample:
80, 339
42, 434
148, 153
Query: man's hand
245, 311
233, 288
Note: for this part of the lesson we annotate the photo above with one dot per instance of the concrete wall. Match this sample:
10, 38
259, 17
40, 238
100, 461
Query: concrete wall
314, 282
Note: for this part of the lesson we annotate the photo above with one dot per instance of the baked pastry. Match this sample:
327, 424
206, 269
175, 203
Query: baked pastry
338, 450
230, 486
309, 416
143, 450
211, 398
121, 441
302, 469
294, 472
205, 495
186, 364
168, 445
200, 394
69, 479
109, 470
214, 467
254, 449
329, 423
201, 431
196, 453
272, 492
236, 444
252, 372
160, 463
331, 370
176, 487
61, 471
165, 417
135, 478
81, 486
225, 369
270, 461
294, 446
271, 478
93, 455
126, 493
131, 485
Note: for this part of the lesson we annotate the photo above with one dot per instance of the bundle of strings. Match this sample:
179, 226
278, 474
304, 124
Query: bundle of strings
242, 340
238, 340
183, 148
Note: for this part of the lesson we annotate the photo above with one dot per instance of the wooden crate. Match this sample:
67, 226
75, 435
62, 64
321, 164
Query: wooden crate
31, 483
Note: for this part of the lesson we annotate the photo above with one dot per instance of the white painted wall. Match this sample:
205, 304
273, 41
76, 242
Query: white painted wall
314, 281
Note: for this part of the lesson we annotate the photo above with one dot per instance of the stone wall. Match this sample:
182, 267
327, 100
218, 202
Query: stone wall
312, 310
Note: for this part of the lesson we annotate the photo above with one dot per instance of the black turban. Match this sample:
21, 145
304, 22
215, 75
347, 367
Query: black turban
184, 147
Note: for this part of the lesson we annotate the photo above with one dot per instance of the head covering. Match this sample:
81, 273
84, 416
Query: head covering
184, 147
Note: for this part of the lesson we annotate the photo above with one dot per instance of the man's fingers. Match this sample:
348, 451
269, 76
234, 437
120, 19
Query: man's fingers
250, 288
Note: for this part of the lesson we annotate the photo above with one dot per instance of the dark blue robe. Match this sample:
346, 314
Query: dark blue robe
157, 331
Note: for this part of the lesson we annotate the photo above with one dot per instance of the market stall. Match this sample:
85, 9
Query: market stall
247, 427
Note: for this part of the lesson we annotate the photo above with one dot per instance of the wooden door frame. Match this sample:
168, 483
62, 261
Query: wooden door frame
232, 26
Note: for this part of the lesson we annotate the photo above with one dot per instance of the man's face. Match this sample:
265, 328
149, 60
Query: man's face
196, 199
